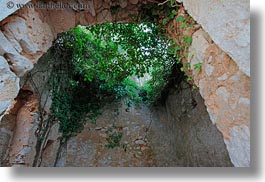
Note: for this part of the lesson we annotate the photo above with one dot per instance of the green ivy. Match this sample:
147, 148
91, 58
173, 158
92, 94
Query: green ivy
198, 67
93, 65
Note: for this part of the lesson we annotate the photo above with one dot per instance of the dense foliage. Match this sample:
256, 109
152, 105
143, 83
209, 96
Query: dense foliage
93, 66
114, 51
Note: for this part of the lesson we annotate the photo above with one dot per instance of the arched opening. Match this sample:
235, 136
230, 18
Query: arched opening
176, 122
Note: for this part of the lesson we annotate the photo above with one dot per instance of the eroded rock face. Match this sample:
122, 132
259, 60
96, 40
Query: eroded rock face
226, 91
51, 147
176, 134
9, 85
182, 129
26, 35
8, 7
224, 52
90, 147
222, 82
239, 145
23, 148
228, 24
18, 63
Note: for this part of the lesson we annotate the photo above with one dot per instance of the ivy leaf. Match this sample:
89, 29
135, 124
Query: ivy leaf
198, 67
179, 19
174, 12
187, 39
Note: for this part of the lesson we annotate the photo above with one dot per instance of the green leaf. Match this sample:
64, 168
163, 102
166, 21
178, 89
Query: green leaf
182, 25
187, 39
179, 19
198, 67
188, 65
174, 12
165, 21
182, 69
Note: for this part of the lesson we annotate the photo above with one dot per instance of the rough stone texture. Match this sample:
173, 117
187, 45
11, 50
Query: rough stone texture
228, 24
176, 134
133, 1
5, 140
7, 8
226, 91
9, 85
22, 151
49, 153
23, 148
88, 149
240, 145
183, 131
26, 35
19, 64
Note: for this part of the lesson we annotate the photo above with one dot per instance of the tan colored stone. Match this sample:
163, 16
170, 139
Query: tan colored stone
19, 64
98, 5
23, 148
133, 1
61, 22
123, 3
228, 24
104, 16
29, 33
50, 153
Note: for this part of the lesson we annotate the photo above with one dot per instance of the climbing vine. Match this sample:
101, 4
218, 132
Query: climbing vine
93, 65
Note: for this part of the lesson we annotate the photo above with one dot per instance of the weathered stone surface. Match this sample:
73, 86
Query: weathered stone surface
9, 85
51, 147
23, 148
198, 47
91, 7
226, 91
18, 30
186, 133
5, 46
223, 82
228, 24
209, 69
239, 143
175, 138
19, 64
28, 34
123, 3
89, 148
4, 105
60, 22
5, 139
104, 16
133, 1
8, 7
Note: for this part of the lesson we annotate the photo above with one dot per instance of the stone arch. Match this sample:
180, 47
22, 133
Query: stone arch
28, 33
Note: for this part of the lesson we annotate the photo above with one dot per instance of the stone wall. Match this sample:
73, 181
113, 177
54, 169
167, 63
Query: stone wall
27, 34
8, 7
228, 24
226, 91
225, 78
224, 81
182, 129
176, 134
